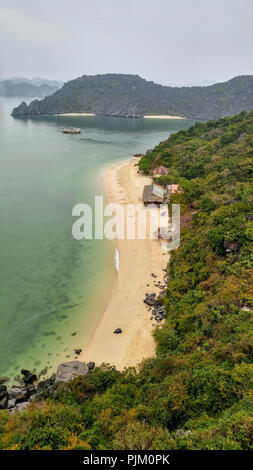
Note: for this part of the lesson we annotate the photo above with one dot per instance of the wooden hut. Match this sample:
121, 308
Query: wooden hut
151, 197
161, 170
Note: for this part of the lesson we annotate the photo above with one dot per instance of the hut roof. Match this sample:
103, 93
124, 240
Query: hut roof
161, 170
148, 197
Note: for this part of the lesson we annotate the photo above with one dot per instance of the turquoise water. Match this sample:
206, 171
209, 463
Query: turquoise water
53, 288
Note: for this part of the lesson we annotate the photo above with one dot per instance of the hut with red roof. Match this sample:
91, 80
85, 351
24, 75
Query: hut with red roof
161, 170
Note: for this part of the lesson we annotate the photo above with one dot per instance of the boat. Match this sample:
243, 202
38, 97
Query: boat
71, 130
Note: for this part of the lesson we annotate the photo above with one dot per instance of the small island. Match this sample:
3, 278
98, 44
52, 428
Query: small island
131, 96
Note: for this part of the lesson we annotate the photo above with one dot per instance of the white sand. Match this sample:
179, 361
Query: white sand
126, 309
163, 116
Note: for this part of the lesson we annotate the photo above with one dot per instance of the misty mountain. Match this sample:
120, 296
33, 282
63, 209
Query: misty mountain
26, 87
34, 81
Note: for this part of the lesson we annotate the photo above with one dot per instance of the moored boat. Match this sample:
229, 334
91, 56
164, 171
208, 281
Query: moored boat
71, 130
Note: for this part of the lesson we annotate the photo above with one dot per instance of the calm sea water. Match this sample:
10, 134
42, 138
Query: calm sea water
53, 289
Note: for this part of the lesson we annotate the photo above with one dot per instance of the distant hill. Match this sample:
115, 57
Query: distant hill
132, 96
25, 87
35, 81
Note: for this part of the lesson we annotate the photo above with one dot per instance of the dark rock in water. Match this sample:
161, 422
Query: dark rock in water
3, 402
3, 391
78, 351
43, 385
3, 379
68, 370
91, 365
30, 378
117, 331
19, 397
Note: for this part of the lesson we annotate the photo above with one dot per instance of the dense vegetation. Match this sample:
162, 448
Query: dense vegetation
197, 392
132, 96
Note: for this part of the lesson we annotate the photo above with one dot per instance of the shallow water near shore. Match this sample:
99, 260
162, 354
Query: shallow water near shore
53, 288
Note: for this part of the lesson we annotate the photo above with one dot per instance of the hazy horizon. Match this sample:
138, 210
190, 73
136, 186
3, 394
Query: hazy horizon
183, 43
183, 84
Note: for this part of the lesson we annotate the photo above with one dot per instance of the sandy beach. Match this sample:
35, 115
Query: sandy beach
74, 114
163, 116
137, 260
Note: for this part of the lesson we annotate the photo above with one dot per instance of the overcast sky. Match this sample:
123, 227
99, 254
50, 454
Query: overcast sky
179, 41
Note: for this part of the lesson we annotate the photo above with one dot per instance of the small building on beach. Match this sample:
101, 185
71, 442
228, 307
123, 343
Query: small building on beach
158, 194
153, 194
160, 170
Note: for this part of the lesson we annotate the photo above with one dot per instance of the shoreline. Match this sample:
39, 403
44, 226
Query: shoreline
163, 116
160, 116
74, 114
125, 308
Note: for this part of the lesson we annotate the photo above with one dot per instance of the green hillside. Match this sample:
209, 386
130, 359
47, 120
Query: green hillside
197, 392
132, 96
